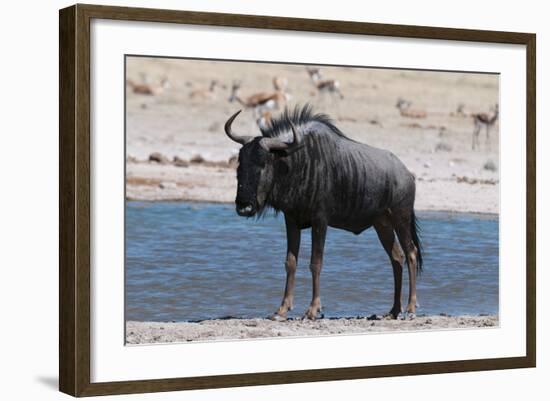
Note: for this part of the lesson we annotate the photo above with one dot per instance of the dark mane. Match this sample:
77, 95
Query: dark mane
299, 116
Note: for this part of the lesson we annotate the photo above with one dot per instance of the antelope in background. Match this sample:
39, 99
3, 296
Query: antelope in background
147, 88
205, 94
404, 107
330, 86
483, 120
261, 101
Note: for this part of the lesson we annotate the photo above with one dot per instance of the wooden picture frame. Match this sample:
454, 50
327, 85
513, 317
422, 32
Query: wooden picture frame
75, 208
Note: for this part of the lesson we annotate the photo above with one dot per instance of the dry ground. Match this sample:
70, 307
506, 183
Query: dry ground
233, 329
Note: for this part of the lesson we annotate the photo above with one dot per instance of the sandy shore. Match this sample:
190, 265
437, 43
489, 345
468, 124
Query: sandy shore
233, 329
437, 149
216, 182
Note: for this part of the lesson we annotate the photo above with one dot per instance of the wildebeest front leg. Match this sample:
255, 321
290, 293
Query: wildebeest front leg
293, 247
318, 234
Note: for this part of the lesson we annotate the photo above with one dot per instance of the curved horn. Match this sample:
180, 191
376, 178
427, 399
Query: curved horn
243, 140
297, 139
277, 144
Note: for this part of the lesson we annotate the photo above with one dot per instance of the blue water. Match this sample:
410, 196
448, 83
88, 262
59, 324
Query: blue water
193, 261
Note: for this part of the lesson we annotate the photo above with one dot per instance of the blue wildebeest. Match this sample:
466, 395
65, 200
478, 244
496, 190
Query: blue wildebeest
304, 166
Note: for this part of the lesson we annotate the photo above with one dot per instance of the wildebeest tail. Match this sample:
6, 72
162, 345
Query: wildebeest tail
415, 229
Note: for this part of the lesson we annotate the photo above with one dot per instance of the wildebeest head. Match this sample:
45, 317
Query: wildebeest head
257, 159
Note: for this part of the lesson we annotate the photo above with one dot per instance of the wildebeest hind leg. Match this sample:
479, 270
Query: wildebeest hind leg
401, 220
384, 229
293, 246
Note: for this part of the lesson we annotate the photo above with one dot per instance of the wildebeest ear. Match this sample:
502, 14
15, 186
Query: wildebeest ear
281, 167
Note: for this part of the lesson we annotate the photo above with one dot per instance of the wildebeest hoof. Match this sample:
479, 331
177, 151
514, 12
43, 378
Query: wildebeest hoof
312, 314
410, 316
278, 318
392, 315
309, 315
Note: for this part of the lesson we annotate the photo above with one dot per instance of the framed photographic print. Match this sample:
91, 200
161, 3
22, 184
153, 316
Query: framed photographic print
250, 200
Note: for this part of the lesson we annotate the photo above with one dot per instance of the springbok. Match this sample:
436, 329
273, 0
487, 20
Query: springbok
483, 120
205, 94
331, 86
261, 101
404, 107
149, 89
